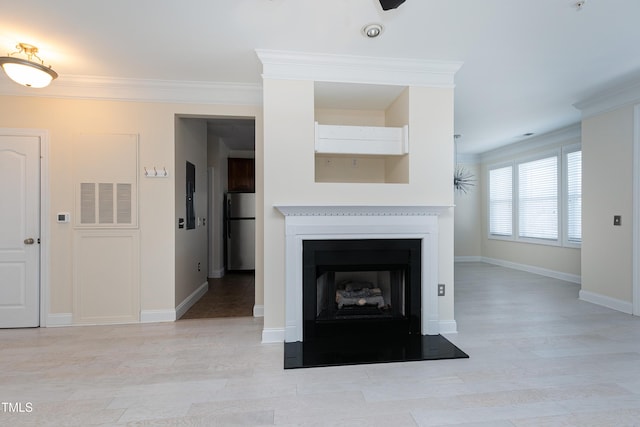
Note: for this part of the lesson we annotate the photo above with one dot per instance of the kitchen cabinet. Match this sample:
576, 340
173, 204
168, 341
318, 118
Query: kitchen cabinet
241, 175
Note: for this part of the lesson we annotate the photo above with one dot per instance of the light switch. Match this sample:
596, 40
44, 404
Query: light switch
617, 220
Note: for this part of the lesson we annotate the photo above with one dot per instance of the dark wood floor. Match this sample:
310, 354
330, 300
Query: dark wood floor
231, 296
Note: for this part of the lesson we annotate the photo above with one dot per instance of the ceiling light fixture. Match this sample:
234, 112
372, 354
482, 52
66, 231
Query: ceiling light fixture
372, 30
27, 72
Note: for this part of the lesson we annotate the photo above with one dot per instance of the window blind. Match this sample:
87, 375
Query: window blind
501, 201
574, 196
538, 199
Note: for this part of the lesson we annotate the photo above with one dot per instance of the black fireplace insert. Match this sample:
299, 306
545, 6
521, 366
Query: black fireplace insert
366, 287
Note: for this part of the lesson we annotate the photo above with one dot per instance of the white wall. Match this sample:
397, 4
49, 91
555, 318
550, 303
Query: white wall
155, 125
289, 176
468, 217
217, 154
607, 164
191, 246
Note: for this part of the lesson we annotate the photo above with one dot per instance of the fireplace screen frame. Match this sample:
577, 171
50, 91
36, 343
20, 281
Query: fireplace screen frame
357, 256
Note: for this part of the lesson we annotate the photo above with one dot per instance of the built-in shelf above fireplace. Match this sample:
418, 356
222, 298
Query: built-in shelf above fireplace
368, 140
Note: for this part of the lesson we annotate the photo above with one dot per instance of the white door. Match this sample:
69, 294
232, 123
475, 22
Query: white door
19, 231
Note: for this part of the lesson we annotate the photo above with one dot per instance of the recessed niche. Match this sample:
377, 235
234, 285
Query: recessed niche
361, 133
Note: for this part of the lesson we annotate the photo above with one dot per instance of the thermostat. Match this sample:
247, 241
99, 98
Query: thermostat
63, 216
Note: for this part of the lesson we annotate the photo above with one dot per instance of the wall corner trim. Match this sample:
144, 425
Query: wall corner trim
258, 310
605, 301
59, 319
216, 274
567, 277
156, 316
467, 258
448, 327
189, 301
272, 335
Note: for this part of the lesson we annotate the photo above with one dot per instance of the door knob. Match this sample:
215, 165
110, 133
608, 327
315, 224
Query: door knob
29, 241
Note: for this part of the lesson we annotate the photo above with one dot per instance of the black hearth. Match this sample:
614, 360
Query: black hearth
362, 304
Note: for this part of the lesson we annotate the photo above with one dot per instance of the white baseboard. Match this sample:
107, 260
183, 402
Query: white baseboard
448, 327
272, 335
155, 316
59, 319
216, 274
573, 278
605, 301
188, 302
258, 311
468, 259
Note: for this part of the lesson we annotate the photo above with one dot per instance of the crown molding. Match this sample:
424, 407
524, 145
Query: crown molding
142, 90
356, 69
554, 138
609, 100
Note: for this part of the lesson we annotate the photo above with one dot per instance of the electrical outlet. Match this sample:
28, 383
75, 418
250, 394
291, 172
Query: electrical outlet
198, 266
441, 289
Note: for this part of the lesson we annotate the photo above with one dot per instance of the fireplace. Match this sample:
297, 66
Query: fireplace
361, 287
340, 222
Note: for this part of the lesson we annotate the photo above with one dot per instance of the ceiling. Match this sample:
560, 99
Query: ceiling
525, 62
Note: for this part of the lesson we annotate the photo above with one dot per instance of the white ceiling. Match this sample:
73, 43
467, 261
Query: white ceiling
526, 62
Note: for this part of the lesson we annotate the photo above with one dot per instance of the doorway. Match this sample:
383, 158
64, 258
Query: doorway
231, 292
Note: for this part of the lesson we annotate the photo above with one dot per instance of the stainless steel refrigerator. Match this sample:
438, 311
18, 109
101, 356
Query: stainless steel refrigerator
240, 213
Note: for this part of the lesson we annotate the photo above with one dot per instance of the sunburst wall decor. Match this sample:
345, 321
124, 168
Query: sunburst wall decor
463, 179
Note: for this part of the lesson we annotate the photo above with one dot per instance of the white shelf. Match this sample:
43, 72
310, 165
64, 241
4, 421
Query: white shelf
362, 140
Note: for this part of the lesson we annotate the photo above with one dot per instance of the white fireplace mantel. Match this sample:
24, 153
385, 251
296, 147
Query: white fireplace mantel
360, 210
331, 222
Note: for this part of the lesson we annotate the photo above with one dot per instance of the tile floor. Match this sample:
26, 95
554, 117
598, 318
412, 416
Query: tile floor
230, 296
538, 357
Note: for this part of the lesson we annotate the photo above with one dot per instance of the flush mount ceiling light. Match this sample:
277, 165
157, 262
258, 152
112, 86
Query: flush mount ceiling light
27, 72
372, 30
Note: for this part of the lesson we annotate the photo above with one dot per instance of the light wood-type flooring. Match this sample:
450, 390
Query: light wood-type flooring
538, 357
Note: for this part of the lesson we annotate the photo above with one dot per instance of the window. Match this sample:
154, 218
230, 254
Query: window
538, 199
500, 201
574, 196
